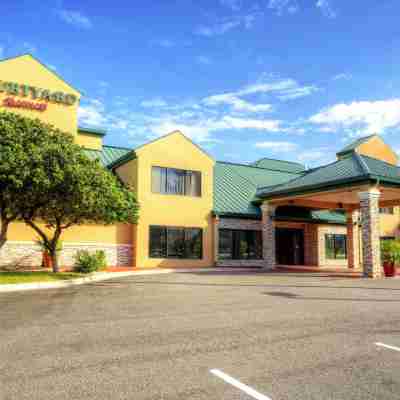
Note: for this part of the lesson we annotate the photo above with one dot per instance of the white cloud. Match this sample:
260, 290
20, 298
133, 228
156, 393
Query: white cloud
277, 147
75, 18
326, 8
154, 103
282, 6
1, 51
342, 76
236, 103
203, 60
284, 89
92, 113
363, 117
201, 130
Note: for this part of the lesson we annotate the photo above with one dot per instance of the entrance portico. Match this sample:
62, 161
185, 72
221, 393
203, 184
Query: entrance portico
359, 186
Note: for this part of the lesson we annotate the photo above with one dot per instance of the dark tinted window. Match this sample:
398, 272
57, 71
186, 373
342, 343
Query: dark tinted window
171, 242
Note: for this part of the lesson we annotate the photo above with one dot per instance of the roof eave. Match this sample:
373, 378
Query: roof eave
122, 160
318, 187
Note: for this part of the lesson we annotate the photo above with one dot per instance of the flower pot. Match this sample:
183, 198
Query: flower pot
47, 262
389, 269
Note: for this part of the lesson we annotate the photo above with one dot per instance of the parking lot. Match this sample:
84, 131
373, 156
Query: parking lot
204, 335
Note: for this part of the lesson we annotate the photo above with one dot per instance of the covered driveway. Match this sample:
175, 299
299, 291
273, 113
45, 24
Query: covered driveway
357, 184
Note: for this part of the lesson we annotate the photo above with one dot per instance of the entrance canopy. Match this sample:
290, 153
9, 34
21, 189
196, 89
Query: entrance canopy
365, 177
337, 185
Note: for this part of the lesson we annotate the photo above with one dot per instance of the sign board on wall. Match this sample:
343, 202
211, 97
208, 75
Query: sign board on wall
33, 98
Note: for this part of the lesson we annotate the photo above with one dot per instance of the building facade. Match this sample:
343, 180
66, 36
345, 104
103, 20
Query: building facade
194, 211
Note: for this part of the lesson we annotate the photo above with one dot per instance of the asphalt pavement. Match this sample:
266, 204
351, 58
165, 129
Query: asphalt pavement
280, 335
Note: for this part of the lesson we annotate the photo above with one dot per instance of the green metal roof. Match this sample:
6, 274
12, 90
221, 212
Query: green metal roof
352, 146
108, 155
279, 165
235, 187
92, 130
355, 168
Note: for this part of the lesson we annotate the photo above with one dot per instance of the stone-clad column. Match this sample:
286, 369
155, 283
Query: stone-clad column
268, 235
369, 202
216, 239
353, 239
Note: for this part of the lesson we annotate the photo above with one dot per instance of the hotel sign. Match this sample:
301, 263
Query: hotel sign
32, 97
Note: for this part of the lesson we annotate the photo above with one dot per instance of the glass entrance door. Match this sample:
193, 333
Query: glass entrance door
290, 246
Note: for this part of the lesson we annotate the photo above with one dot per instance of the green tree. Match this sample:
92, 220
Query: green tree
21, 141
77, 191
48, 181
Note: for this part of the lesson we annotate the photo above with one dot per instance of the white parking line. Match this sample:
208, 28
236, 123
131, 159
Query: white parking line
388, 346
244, 388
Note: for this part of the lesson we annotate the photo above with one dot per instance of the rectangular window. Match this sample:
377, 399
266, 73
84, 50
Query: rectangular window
171, 242
335, 246
175, 181
386, 210
240, 245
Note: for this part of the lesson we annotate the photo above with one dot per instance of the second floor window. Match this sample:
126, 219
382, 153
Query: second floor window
175, 181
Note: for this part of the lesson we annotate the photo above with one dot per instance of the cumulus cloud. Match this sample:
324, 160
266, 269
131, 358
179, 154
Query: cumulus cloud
277, 147
92, 113
75, 18
283, 89
326, 8
363, 117
202, 129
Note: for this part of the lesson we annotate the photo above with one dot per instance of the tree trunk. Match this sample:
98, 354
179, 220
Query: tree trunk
3, 233
54, 260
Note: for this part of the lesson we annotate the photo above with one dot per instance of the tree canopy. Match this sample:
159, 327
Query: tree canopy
53, 184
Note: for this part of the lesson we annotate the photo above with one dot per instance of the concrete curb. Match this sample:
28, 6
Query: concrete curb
104, 276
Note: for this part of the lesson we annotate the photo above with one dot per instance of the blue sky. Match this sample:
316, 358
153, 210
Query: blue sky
290, 79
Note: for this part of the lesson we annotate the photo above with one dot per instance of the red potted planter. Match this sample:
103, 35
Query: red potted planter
389, 269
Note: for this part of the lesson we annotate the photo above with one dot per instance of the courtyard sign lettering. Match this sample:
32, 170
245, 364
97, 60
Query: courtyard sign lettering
33, 93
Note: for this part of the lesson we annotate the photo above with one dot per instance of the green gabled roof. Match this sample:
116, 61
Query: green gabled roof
108, 155
352, 146
355, 168
279, 165
235, 186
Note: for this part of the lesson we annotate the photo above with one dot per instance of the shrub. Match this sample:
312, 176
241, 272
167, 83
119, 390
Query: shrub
86, 262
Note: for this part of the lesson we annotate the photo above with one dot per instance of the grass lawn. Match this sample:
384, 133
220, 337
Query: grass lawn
28, 277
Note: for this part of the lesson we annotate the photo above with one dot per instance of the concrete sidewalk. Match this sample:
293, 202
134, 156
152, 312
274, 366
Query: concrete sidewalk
103, 276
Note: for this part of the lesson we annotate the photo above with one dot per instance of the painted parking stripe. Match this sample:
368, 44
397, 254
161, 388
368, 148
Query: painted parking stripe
239, 385
387, 346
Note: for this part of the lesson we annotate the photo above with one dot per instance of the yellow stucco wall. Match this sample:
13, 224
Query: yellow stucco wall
29, 71
390, 224
377, 148
128, 173
89, 141
112, 234
175, 151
